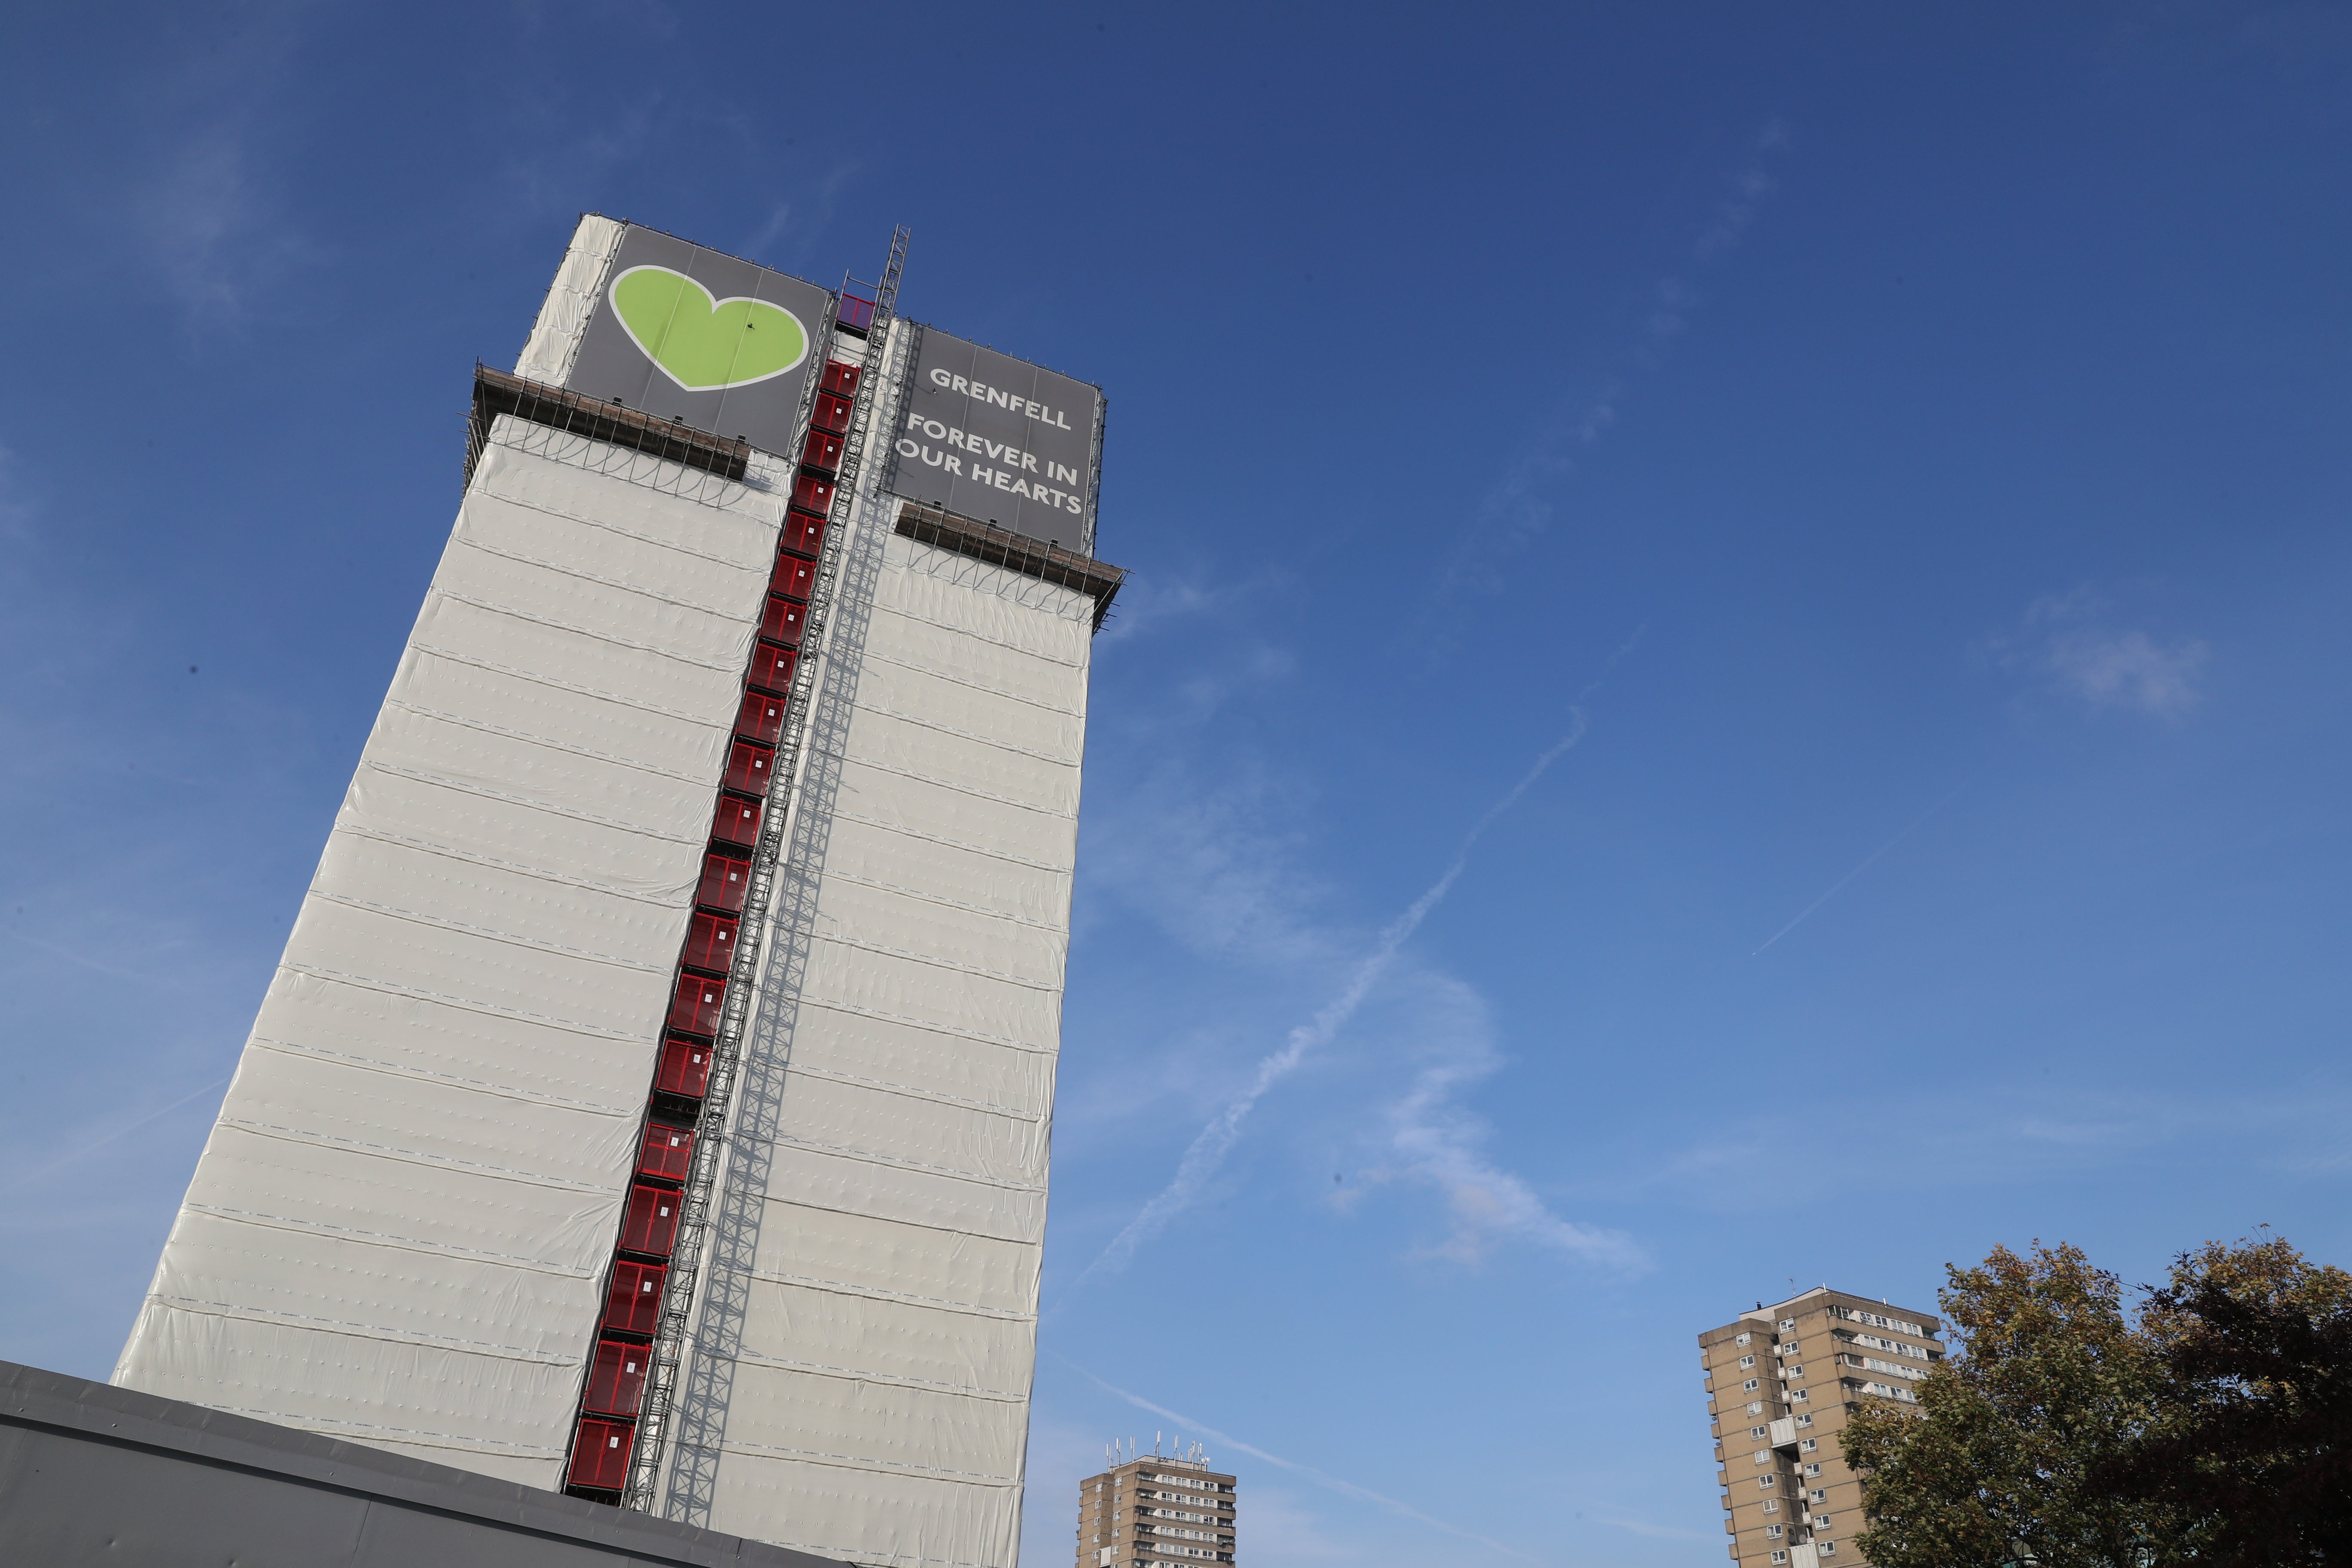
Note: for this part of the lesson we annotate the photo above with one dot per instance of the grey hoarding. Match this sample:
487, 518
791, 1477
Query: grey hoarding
685, 333
91, 1473
995, 438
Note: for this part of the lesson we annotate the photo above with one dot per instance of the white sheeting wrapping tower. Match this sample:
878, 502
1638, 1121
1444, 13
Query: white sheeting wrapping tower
398, 1230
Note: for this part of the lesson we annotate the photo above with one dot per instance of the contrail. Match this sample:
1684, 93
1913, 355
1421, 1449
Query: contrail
126, 1127
1867, 865
1208, 1149
1363, 1493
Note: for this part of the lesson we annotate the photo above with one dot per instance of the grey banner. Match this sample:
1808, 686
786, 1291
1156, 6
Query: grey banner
689, 333
996, 439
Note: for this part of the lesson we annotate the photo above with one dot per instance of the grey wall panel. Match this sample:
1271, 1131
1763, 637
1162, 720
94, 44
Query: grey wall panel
90, 1473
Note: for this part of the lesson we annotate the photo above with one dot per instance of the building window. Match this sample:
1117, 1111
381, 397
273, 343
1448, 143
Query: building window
1748, 1387
1741, 1339
1812, 1469
1746, 1362
1754, 1409
1764, 1483
1788, 1323
1820, 1494
1799, 1397
1829, 1548
1771, 1532
1758, 1433
1779, 1557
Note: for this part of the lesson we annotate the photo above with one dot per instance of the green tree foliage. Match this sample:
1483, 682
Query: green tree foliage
2215, 1430
2252, 1437
2050, 1389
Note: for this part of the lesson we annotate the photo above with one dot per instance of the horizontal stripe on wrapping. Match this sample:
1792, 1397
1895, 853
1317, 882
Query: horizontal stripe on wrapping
559, 684
384, 1238
441, 923
876, 1292
417, 1157
832, 874
882, 1467
887, 1087
944, 783
442, 781
427, 1075
992, 691
976, 739
488, 1009
856, 1374
230, 1310
451, 851
823, 1005
638, 589
707, 780
977, 637
1051, 987
893, 1162
730, 667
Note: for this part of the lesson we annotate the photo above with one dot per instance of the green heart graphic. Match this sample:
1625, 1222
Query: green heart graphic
703, 344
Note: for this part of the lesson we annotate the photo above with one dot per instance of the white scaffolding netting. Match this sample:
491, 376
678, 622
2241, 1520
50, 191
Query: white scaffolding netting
398, 1230
875, 1289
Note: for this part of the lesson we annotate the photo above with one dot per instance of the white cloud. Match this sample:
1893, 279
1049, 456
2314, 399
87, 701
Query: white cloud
2072, 640
1435, 1142
1439, 1141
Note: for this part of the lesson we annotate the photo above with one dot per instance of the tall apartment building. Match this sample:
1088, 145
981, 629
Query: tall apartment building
1782, 1382
1156, 1511
653, 1100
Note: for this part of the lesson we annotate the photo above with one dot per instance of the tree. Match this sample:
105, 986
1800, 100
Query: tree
2215, 1431
2001, 1463
2253, 1438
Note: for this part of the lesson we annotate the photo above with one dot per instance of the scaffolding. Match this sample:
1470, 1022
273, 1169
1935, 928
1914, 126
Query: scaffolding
866, 315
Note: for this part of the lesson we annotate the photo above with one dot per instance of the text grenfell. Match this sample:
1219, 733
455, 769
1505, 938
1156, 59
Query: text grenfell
997, 397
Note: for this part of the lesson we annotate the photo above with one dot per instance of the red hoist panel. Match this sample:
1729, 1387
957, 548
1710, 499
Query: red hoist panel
724, 884
710, 942
696, 1007
830, 412
812, 494
803, 531
650, 1222
633, 1302
762, 718
783, 622
600, 1455
772, 666
746, 767
822, 451
616, 1378
738, 822
795, 577
685, 1069
666, 1151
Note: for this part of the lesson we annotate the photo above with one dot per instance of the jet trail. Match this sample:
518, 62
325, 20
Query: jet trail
1208, 1149
1867, 865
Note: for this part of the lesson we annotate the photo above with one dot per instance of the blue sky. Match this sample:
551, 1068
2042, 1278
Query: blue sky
1898, 450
